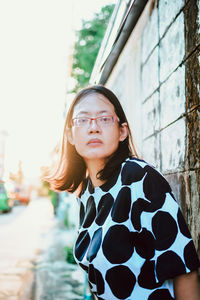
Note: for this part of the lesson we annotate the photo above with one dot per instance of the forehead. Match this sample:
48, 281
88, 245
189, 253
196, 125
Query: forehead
92, 104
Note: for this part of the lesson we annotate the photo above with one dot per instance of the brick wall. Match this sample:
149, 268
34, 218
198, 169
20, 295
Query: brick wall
170, 100
160, 90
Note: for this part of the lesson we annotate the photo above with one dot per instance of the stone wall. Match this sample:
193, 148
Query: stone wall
163, 99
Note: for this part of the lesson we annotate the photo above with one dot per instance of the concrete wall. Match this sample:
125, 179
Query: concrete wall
157, 78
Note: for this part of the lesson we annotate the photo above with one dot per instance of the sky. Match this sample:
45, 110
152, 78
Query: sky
36, 40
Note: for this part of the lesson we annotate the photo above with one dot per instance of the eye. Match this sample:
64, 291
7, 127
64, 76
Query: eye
82, 120
106, 119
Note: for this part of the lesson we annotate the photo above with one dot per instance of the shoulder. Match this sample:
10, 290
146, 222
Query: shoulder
132, 170
137, 170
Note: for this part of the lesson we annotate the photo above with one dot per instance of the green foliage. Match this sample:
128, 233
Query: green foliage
68, 250
87, 46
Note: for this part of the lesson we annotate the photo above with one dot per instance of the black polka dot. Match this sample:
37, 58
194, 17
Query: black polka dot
144, 243
138, 207
160, 294
154, 184
90, 213
182, 224
94, 245
82, 244
147, 279
121, 207
83, 267
96, 278
131, 172
91, 275
169, 265
81, 214
165, 230
190, 256
121, 281
157, 202
104, 208
116, 236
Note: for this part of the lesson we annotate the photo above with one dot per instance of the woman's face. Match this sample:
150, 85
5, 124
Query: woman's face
93, 141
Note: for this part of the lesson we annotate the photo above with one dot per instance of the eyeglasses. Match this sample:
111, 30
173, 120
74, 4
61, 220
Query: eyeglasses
101, 121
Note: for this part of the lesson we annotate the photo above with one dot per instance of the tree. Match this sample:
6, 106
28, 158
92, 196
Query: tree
89, 39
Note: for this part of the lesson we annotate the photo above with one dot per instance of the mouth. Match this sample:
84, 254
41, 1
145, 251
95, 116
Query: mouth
94, 142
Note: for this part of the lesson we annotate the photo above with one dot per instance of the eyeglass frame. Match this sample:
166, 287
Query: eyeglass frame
91, 119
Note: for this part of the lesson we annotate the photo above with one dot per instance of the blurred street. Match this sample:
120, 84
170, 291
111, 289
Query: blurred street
32, 264
21, 233
7, 218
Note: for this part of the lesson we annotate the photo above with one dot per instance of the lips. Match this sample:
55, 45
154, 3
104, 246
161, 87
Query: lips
94, 142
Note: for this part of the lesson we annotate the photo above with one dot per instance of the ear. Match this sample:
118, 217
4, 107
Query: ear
123, 132
70, 136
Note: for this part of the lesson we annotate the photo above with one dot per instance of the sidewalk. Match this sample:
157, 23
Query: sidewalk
33, 264
20, 244
55, 279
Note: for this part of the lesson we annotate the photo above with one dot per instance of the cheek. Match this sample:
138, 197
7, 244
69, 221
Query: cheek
115, 145
114, 136
79, 141
113, 141
76, 135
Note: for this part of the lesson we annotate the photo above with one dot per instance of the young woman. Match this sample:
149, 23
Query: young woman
132, 241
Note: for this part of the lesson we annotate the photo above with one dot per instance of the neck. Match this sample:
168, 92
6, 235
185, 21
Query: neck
93, 168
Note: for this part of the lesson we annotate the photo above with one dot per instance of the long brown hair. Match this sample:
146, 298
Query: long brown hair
71, 170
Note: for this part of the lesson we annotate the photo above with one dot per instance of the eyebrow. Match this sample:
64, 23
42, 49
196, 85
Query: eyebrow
98, 113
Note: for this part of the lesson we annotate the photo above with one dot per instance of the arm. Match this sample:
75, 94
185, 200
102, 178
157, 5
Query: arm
186, 287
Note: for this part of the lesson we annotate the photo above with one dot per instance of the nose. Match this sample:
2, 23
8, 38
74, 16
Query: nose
93, 126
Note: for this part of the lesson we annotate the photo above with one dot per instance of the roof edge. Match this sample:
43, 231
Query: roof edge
125, 29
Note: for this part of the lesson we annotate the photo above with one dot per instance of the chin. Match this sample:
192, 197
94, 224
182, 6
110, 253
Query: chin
98, 156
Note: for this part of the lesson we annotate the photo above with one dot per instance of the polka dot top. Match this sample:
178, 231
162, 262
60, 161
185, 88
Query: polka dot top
133, 239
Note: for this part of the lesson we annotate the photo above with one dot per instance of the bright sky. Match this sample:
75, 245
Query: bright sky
36, 40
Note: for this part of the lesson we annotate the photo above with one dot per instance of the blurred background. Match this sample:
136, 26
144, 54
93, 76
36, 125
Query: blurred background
38, 39
42, 66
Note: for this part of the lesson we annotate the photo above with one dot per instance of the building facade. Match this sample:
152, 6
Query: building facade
150, 58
